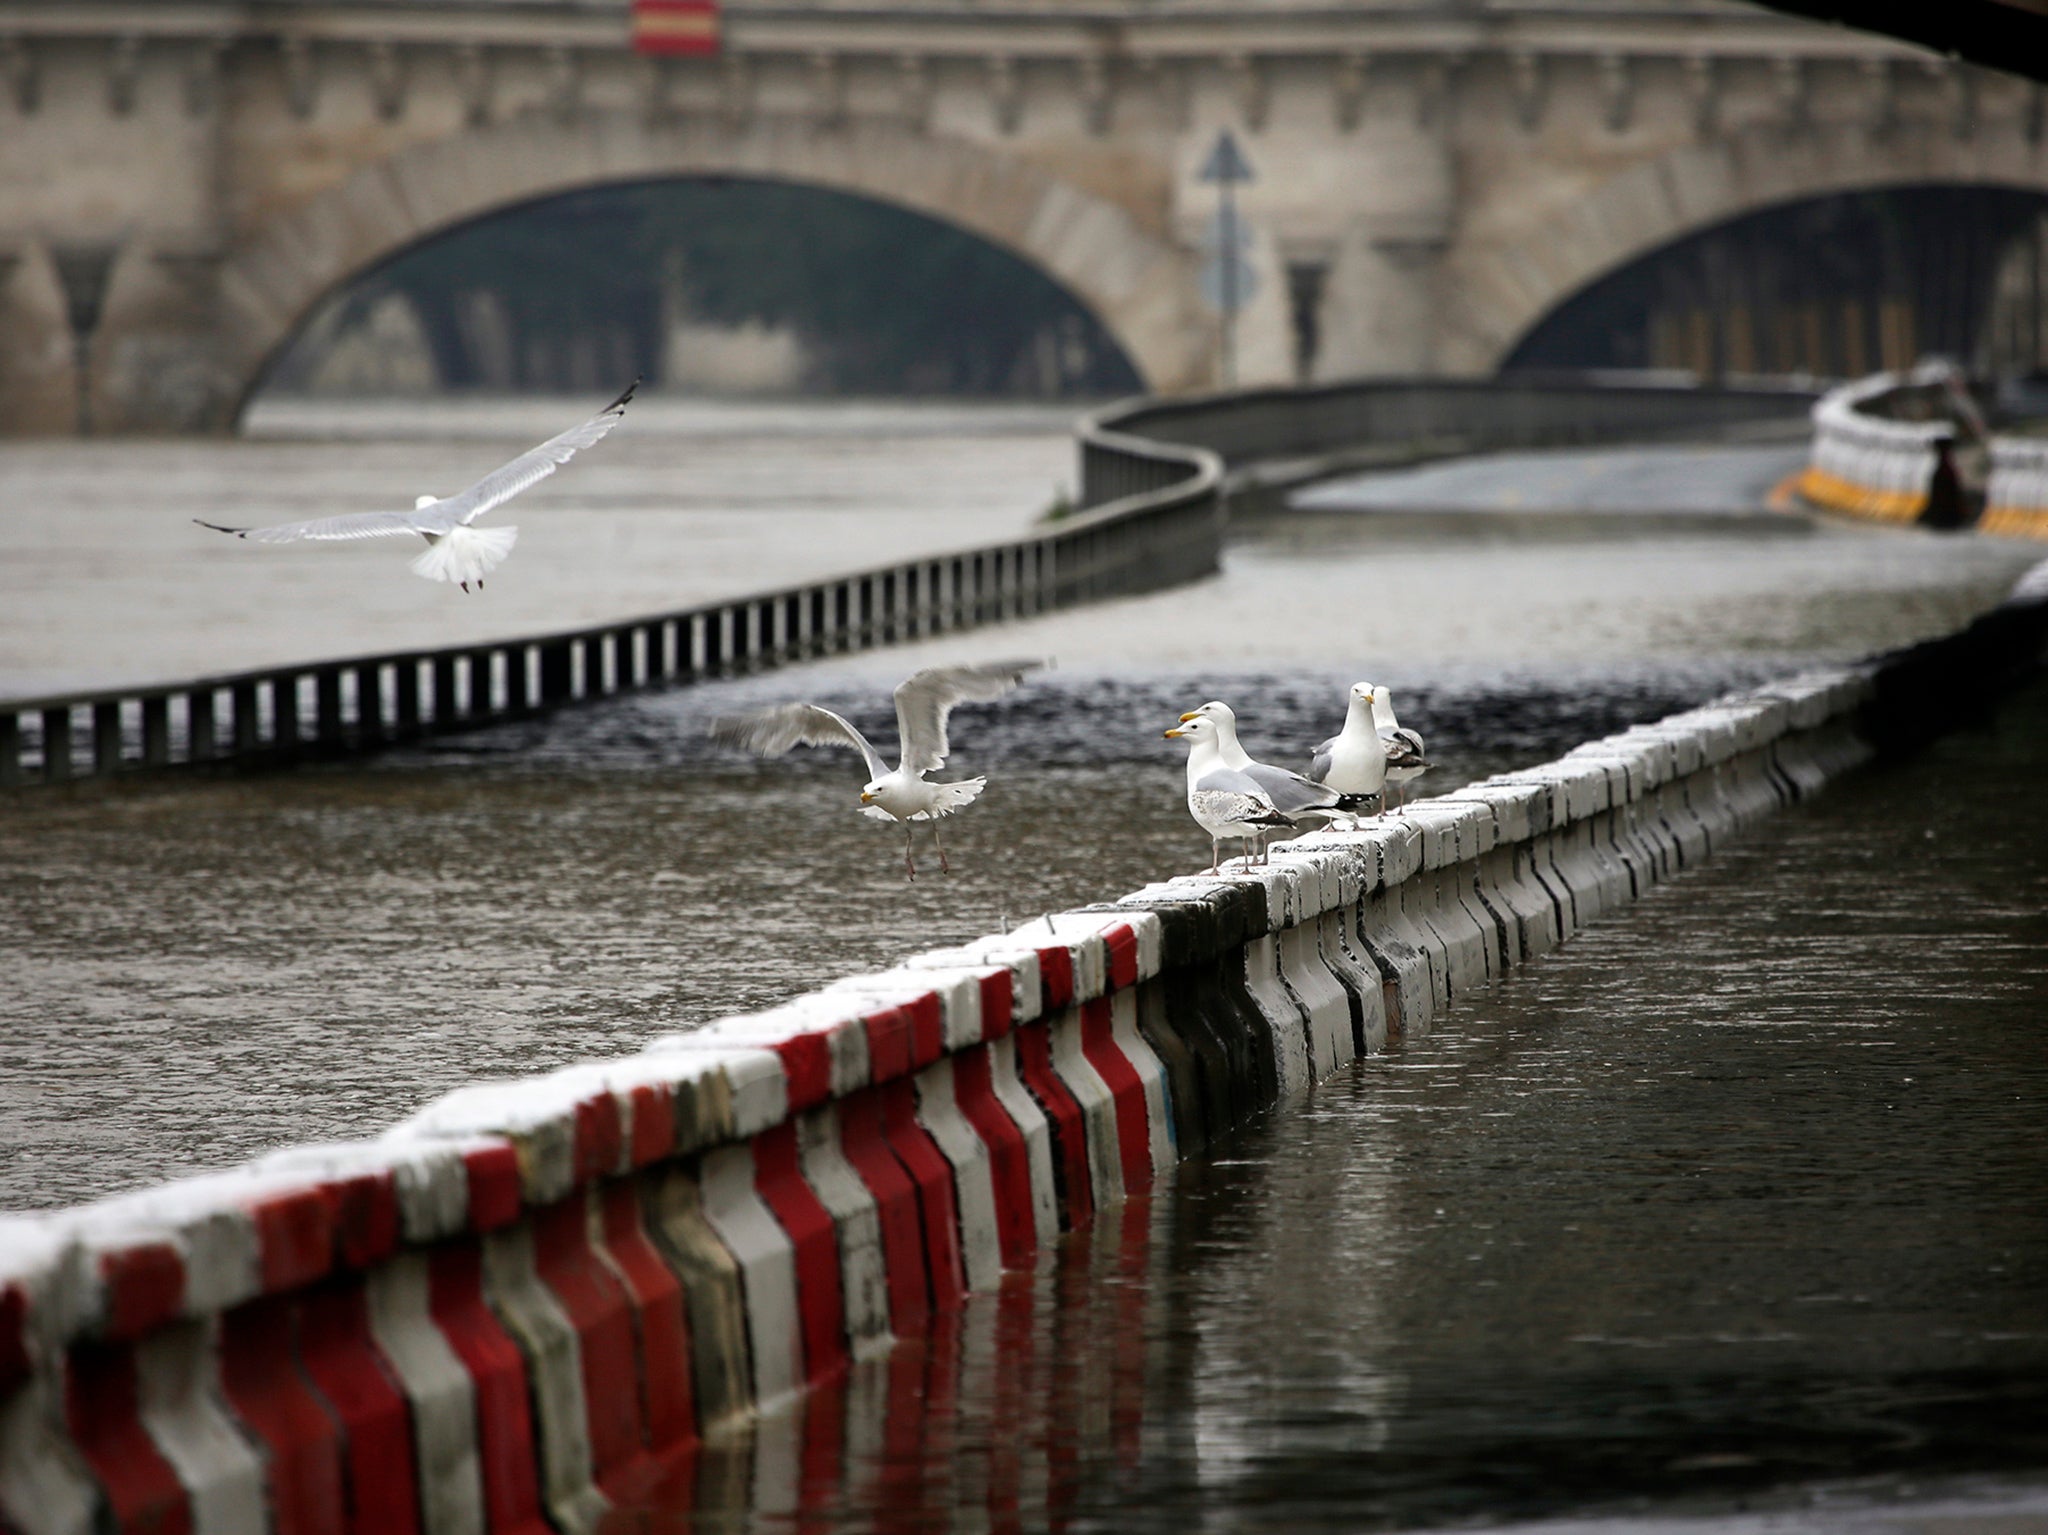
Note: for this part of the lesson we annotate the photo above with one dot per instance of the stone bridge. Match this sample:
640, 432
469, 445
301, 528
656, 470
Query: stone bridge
180, 183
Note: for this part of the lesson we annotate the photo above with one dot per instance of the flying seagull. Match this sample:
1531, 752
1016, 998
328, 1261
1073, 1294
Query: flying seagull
902, 793
1224, 801
1302, 801
1355, 759
456, 551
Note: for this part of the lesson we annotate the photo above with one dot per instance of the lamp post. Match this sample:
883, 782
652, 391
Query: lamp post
83, 270
1228, 280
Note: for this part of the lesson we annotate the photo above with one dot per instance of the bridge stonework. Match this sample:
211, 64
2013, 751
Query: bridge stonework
1432, 179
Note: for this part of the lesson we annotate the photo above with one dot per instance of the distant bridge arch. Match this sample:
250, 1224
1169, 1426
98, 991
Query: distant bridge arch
1513, 287
1139, 287
1431, 180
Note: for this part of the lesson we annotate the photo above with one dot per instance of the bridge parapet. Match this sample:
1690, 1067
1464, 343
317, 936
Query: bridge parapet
1430, 179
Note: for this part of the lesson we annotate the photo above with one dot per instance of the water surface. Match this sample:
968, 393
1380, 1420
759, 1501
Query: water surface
1731, 1204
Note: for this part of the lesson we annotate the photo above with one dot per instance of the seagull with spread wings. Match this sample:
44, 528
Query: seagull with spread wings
901, 793
456, 550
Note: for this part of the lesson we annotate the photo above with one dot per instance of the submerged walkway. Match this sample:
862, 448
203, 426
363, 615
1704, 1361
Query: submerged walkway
1662, 483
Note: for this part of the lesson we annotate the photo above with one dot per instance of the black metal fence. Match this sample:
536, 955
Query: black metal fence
1152, 498
1167, 532
1443, 415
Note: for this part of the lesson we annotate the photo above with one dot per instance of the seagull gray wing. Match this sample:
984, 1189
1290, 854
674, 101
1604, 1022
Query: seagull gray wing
924, 699
1291, 793
1229, 794
1319, 760
532, 466
771, 732
353, 525
1404, 747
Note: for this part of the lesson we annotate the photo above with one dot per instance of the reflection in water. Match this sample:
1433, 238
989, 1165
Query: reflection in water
1731, 1203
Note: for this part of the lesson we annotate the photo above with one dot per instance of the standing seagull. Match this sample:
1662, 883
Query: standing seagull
1354, 760
1404, 747
1302, 801
923, 701
1225, 801
455, 551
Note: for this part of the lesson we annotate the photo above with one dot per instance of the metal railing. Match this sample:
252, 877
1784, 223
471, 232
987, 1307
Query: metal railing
1166, 532
1522, 410
1152, 515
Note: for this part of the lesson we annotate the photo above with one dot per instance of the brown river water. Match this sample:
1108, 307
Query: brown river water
1733, 1203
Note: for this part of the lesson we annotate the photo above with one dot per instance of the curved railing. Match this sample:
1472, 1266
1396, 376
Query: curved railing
1152, 498
1436, 415
1166, 529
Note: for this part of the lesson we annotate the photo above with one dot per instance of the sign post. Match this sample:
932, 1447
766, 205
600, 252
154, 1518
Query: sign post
1225, 169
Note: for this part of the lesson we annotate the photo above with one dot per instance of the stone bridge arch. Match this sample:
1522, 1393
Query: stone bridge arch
1140, 286
1506, 283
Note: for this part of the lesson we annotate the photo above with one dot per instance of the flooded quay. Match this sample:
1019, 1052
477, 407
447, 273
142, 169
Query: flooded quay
1729, 1200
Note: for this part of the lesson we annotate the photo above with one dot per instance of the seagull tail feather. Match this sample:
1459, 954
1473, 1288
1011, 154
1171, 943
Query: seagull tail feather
465, 553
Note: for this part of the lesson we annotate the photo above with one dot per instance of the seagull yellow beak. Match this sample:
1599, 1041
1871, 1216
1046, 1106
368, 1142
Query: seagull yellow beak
1189, 715
866, 798
1174, 733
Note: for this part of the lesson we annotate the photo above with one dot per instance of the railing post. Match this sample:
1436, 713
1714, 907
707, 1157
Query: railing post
369, 702
406, 675
200, 744
717, 634
519, 678
156, 730
327, 724
10, 747
476, 676
248, 736
284, 710
106, 736
445, 713
557, 672
57, 744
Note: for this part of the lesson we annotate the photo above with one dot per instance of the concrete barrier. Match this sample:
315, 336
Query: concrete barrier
1867, 464
513, 1311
